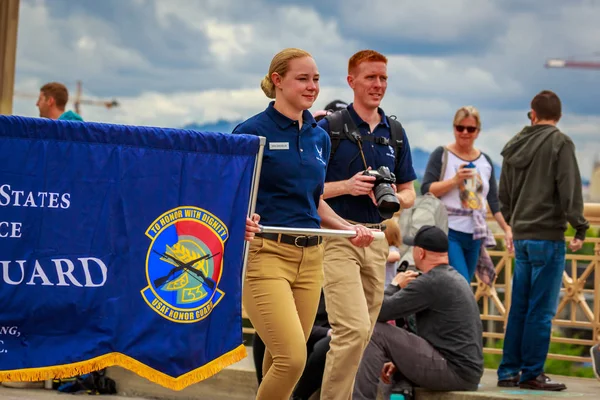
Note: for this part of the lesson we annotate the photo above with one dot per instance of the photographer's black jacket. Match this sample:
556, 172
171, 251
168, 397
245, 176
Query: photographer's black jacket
447, 317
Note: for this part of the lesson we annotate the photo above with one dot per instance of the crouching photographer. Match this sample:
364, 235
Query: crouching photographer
446, 353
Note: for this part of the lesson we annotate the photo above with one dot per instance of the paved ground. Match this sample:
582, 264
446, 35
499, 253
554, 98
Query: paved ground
42, 394
238, 382
577, 389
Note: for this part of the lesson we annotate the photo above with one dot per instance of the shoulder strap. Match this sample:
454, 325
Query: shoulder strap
444, 163
340, 127
489, 160
396, 136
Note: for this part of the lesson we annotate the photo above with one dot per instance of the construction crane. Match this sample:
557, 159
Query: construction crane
567, 63
78, 100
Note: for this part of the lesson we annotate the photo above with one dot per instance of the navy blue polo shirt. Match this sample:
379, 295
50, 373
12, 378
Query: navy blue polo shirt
347, 161
293, 168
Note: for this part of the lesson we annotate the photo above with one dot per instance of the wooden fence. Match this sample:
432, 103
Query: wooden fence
579, 306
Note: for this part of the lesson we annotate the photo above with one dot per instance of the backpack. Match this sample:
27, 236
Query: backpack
427, 210
94, 383
342, 127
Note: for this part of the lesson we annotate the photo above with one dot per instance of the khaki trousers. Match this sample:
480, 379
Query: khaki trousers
281, 295
353, 288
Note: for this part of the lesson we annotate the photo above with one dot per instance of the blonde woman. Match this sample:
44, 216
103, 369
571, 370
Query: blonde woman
285, 273
462, 176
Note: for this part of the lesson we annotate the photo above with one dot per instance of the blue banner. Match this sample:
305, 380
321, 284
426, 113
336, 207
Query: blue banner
121, 245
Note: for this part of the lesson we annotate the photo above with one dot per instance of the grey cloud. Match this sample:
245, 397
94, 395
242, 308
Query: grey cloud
172, 61
467, 23
125, 48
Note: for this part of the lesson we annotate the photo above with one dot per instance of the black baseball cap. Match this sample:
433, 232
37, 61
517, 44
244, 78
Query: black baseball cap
429, 238
336, 105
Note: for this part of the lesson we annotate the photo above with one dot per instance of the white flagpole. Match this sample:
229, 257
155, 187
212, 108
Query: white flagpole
316, 232
253, 197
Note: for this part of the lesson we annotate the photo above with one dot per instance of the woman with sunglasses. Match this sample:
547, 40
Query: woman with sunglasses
462, 177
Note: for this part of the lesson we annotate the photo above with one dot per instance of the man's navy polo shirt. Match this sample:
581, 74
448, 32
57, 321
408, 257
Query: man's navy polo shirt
347, 161
293, 168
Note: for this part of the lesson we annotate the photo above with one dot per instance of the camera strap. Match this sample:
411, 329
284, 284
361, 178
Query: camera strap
342, 127
359, 142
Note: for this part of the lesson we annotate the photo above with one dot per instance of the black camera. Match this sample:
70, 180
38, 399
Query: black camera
403, 267
387, 202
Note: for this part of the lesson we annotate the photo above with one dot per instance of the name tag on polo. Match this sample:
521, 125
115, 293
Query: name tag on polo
279, 146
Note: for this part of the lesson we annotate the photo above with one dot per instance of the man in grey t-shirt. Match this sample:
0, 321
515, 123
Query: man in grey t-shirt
447, 353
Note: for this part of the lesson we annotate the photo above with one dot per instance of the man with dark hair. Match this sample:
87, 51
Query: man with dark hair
540, 191
331, 107
52, 101
447, 351
547, 106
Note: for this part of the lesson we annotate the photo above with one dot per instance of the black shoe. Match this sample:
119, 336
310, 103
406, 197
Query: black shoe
542, 382
509, 382
595, 353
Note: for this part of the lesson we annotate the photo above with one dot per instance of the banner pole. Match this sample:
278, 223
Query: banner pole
253, 197
316, 232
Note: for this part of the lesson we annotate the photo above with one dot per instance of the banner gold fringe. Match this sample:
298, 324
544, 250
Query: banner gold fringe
121, 360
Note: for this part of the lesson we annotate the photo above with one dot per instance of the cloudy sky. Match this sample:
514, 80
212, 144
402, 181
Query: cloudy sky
172, 62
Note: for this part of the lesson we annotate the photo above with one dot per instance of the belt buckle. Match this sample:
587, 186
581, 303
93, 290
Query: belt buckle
300, 237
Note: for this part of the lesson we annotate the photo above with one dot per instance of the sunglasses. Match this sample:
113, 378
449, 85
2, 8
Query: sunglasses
529, 115
470, 129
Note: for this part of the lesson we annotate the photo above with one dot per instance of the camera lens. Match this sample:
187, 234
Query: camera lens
387, 202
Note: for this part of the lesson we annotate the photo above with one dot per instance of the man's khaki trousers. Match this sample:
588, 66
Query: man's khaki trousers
353, 286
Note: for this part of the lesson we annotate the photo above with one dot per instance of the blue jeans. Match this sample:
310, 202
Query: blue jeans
536, 286
463, 253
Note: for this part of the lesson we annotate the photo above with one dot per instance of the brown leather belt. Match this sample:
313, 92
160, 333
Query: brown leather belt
298, 241
380, 226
